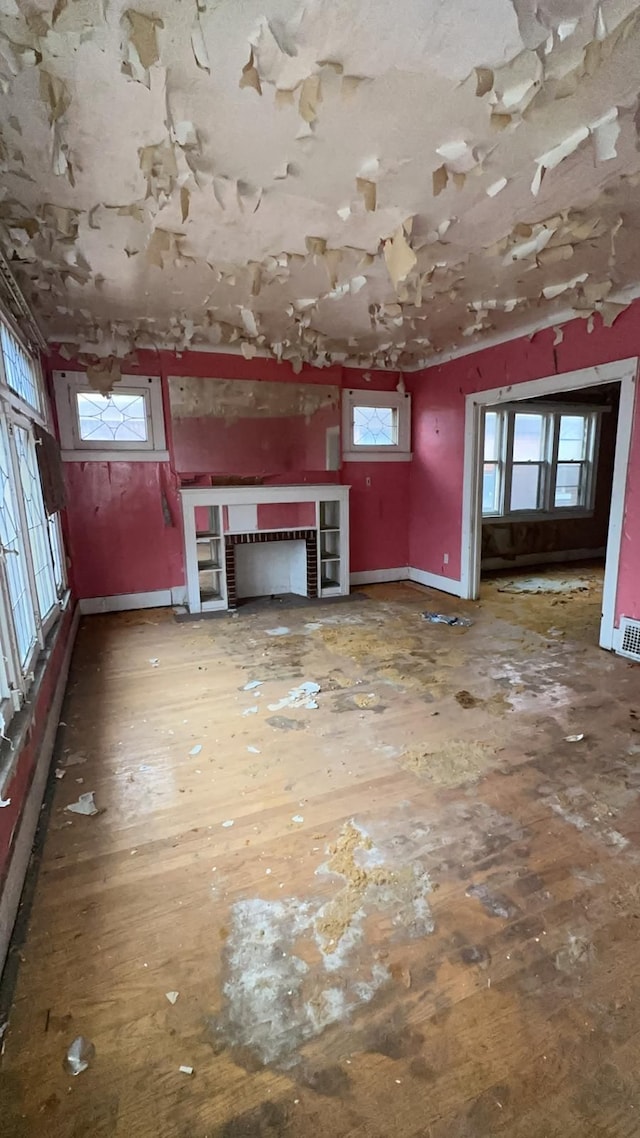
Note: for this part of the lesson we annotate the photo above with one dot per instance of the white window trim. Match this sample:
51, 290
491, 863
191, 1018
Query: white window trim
66, 386
16, 677
548, 511
401, 401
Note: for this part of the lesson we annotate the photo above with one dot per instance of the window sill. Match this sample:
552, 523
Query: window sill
115, 455
538, 516
377, 456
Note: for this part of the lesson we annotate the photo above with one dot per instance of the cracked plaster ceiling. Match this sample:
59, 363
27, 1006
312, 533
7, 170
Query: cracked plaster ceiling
333, 181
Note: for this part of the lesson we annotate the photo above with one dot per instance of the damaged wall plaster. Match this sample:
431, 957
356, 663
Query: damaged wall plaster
274, 185
231, 399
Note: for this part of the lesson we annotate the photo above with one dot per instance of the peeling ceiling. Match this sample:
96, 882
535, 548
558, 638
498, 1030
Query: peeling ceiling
334, 181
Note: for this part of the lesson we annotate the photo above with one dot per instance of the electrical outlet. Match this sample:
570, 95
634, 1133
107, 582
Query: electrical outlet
446, 559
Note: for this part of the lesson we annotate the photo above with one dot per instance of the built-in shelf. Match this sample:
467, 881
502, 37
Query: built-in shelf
329, 583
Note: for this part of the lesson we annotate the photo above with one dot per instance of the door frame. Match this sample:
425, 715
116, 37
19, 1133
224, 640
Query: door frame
623, 372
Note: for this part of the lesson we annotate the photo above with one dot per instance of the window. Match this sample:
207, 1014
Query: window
492, 470
539, 459
32, 562
376, 425
21, 372
96, 425
14, 556
111, 418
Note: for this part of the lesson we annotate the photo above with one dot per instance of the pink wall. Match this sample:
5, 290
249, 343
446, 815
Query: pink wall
379, 514
283, 444
123, 525
438, 437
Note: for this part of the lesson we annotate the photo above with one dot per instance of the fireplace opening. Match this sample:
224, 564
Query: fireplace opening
271, 564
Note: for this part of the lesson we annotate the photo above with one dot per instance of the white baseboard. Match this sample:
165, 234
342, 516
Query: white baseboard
553, 558
434, 581
379, 576
406, 573
21, 852
123, 602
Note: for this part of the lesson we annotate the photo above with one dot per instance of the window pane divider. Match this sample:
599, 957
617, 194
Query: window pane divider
550, 499
508, 464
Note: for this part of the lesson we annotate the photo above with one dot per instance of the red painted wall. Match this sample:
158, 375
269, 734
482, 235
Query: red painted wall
379, 514
18, 786
251, 446
435, 518
123, 523
124, 527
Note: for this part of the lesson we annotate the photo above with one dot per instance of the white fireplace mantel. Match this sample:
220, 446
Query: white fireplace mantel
210, 543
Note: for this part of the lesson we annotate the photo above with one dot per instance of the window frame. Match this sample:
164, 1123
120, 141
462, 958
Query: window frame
400, 402
69, 384
17, 674
552, 414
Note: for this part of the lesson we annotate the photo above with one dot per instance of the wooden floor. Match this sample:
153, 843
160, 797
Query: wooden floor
412, 910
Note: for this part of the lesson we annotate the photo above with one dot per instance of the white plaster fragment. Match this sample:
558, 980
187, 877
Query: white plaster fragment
553, 290
566, 28
85, 805
557, 155
496, 187
458, 156
604, 132
198, 45
531, 246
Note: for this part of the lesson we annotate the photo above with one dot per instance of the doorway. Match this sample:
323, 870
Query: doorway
546, 480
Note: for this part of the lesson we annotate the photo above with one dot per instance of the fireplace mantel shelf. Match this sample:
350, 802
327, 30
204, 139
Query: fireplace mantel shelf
220, 519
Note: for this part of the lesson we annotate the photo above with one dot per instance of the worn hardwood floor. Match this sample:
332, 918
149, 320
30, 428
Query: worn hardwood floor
423, 921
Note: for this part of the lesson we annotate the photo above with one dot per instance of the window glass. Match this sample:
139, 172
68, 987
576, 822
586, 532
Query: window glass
16, 569
568, 482
490, 436
118, 417
36, 521
571, 443
528, 437
525, 487
20, 371
375, 426
490, 488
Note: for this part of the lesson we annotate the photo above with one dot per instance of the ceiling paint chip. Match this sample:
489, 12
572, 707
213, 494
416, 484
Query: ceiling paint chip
484, 81
143, 36
369, 192
250, 77
310, 96
199, 47
440, 177
399, 256
496, 187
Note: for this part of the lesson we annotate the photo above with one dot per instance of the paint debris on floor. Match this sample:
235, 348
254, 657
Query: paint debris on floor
420, 848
